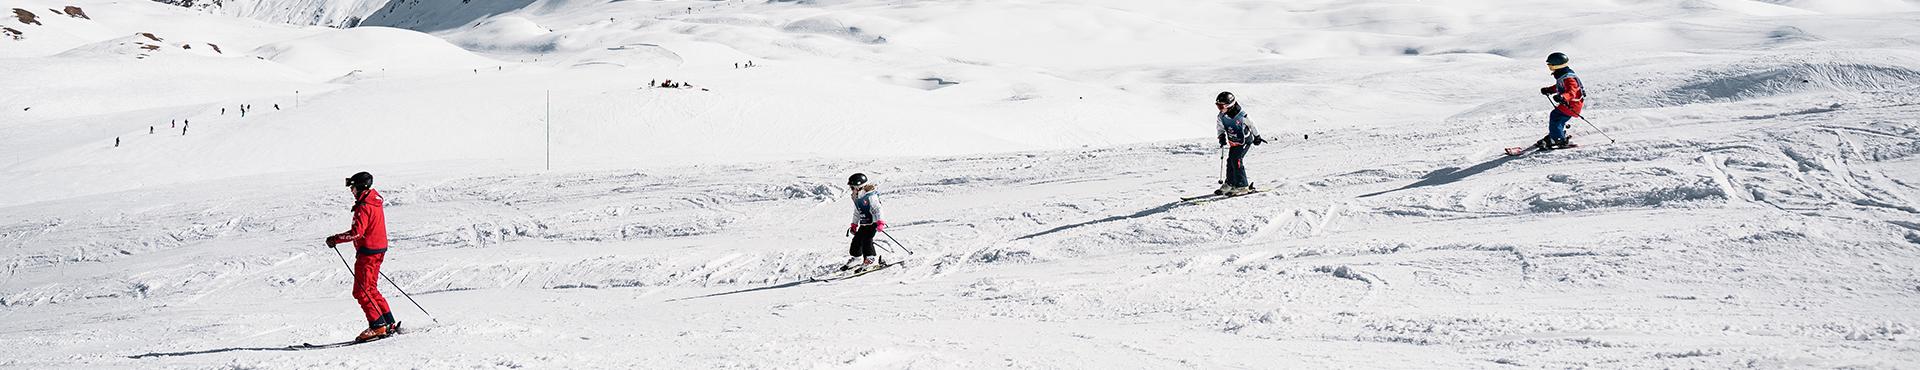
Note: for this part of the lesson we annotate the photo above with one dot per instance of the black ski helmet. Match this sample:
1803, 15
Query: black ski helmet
1225, 98
361, 180
857, 179
1557, 58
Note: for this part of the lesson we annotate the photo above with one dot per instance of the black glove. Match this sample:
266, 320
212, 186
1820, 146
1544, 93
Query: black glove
1561, 100
1223, 140
1549, 90
1257, 140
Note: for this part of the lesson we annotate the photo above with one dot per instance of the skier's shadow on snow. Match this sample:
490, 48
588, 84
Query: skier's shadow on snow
1449, 175
234, 349
749, 290
1145, 213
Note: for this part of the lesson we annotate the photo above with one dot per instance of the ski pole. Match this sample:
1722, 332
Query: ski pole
1223, 164
897, 242
1596, 128
343, 259
396, 286
403, 292
884, 247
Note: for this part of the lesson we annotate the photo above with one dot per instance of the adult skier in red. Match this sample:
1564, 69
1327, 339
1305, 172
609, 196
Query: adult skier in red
369, 238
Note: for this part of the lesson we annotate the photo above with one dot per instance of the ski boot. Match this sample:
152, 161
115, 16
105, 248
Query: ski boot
1223, 188
1239, 191
851, 263
374, 333
1563, 143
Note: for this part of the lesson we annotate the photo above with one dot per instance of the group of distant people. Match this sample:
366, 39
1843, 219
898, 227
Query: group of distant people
184, 124
671, 84
748, 64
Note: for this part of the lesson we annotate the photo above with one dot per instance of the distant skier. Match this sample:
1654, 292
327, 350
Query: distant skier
1237, 135
866, 223
369, 238
149, 130
116, 142
1569, 98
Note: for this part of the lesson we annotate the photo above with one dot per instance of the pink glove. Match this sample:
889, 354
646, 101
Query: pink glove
879, 226
851, 228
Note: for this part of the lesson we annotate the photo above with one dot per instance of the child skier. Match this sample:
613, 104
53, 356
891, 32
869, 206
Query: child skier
1237, 134
866, 222
1568, 97
369, 238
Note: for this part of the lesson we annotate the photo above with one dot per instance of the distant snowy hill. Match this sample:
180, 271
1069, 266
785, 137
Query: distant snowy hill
1745, 196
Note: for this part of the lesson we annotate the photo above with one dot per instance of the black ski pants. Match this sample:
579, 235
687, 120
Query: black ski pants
863, 241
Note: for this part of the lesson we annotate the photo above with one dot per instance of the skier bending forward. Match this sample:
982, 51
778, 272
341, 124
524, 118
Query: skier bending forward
1569, 97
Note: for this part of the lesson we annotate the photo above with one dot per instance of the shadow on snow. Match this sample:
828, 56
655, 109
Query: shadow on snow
302, 347
749, 290
1148, 212
1450, 175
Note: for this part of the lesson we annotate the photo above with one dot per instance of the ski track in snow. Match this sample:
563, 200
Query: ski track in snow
1757, 210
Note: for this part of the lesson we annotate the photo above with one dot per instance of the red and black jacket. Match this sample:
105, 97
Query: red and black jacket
369, 233
1569, 92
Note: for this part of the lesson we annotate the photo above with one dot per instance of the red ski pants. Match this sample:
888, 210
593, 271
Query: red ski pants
366, 285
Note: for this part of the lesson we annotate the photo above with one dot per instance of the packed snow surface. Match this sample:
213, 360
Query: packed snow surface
1753, 202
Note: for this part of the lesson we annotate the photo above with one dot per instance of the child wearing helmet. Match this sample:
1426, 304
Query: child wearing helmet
1569, 97
866, 223
1237, 135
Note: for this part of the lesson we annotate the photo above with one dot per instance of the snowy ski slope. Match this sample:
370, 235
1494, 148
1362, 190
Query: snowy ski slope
1759, 206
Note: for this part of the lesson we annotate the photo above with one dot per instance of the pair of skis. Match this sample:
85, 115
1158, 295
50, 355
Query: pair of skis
853, 273
1524, 150
395, 330
299, 347
1217, 196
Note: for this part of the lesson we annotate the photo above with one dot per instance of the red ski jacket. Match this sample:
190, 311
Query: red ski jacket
369, 234
1570, 92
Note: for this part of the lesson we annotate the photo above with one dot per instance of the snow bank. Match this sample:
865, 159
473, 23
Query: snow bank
369, 49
